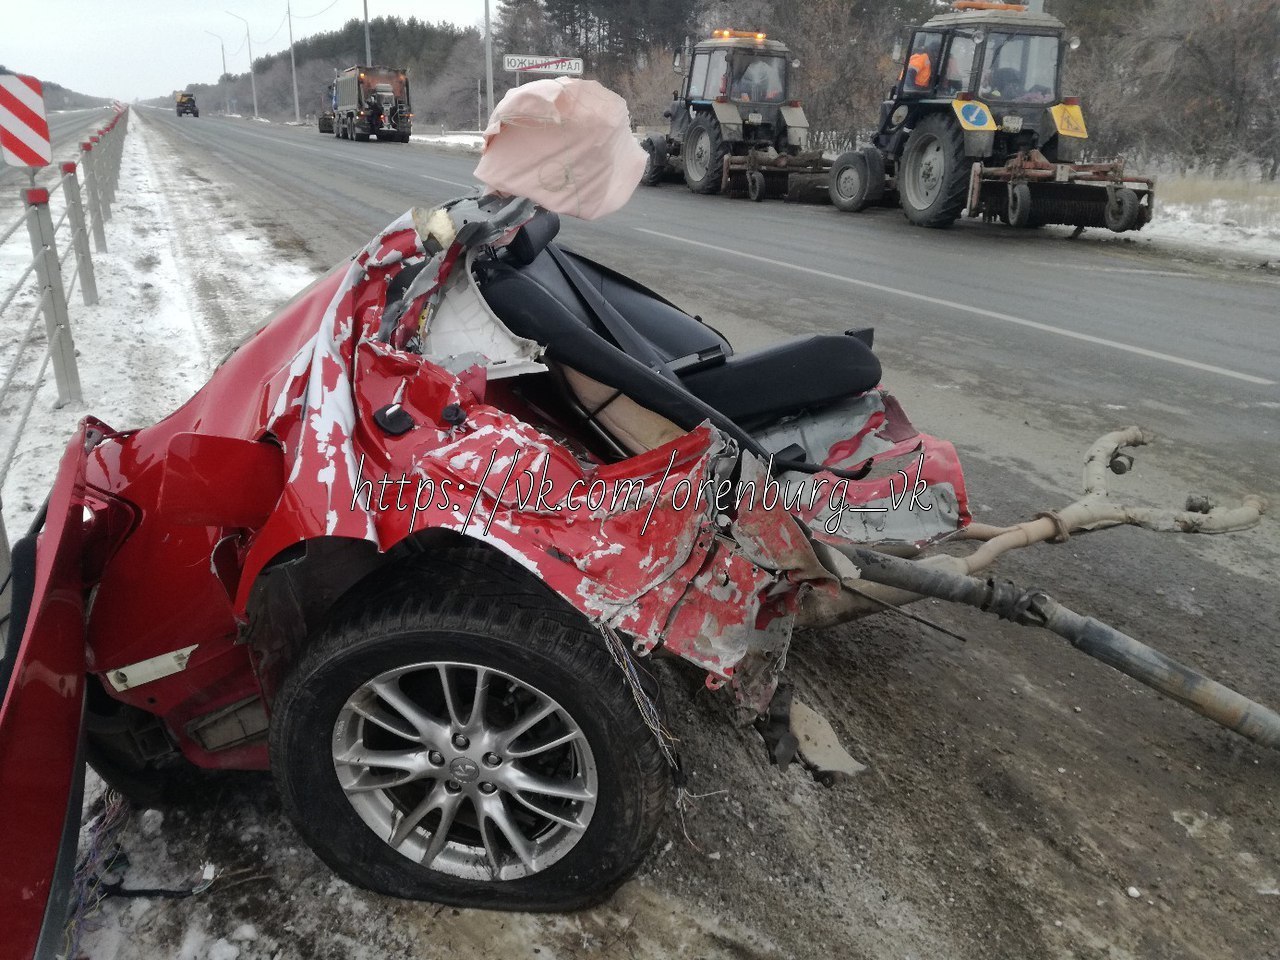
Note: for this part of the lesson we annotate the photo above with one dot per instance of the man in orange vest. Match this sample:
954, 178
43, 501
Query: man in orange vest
919, 72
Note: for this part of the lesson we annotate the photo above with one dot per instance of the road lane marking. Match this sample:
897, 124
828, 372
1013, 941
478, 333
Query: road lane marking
977, 311
452, 183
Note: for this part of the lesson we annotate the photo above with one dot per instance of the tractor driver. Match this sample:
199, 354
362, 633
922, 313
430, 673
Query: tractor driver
920, 65
760, 80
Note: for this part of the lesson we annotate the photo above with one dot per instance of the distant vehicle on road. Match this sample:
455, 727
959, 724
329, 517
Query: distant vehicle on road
328, 107
185, 103
372, 101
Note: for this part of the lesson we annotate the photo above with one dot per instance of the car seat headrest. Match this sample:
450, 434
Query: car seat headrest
533, 237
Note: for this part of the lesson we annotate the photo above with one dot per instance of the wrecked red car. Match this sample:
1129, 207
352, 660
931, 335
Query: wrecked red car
413, 544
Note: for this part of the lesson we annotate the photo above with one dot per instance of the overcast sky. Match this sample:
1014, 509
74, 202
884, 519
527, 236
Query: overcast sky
145, 48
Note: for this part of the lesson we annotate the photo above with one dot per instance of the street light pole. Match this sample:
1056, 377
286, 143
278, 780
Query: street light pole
288, 12
222, 80
488, 59
368, 54
253, 83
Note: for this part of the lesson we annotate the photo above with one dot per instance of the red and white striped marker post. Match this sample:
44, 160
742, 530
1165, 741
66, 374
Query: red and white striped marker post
24, 130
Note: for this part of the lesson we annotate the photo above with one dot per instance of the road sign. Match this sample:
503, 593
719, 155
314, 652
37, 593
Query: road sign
564, 66
24, 131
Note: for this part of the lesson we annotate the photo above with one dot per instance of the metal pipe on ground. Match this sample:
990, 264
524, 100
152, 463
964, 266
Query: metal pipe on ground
1131, 657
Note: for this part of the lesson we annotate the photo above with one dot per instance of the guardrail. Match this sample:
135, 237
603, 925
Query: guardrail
81, 216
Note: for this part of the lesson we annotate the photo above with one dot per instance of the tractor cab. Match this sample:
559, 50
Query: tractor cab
742, 77
736, 98
998, 63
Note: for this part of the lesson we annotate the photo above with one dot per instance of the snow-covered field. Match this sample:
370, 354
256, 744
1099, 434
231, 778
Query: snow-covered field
469, 141
1239, 216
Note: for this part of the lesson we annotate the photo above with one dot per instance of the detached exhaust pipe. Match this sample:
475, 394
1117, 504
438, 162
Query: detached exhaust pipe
1102, 642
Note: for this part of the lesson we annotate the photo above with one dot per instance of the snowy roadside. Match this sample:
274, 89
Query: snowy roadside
1192, 230
152, 339
456, 142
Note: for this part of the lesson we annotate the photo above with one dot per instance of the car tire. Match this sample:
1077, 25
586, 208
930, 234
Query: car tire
373, 688
1123, 211
757, 189
704, 152
1019, 214
933, 178
850, 182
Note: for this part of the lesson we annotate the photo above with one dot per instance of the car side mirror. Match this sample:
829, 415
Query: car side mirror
675, 63
1074, 43
795, 64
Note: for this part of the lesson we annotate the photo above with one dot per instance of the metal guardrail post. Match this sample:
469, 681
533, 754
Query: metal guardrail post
116, 133
90, 164
53, 299
100, 167
79, 236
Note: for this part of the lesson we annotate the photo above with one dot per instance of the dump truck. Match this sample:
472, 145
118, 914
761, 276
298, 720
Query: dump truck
185, 103
977, 121
735, 123
372, 102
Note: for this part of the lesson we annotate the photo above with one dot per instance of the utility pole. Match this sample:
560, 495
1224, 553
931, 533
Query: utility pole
479, 107
288, 13
368, 52
488, 58
253, 83
222, 80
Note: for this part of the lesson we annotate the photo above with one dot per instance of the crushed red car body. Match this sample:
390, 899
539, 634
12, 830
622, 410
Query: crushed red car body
287, 462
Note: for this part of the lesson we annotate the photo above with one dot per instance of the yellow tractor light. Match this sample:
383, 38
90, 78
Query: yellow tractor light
738, 34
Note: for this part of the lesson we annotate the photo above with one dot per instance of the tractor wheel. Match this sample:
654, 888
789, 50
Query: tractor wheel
933, 177
1019, 214
472, 743
755, 185
704, 153
1122, 211
850, 182
655, 164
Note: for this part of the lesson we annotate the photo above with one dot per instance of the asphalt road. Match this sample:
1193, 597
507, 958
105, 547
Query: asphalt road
1017, 790
1082, 321
67, 128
